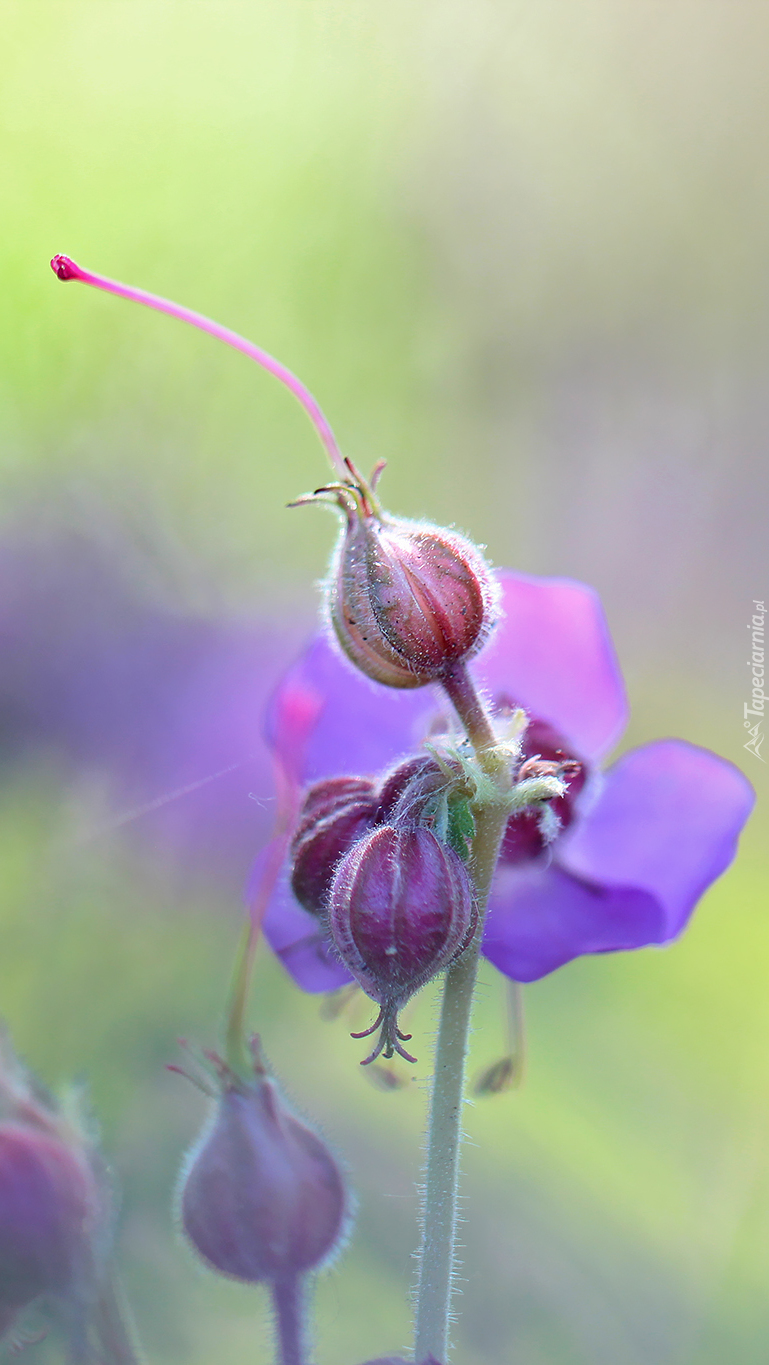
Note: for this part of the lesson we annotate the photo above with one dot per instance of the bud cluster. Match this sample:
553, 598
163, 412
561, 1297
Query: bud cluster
384, 869
382, 865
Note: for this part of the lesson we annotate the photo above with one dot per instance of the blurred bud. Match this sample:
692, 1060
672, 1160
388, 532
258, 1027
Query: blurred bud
336, 1002
262, 1198
336, 812
53, 1204
407, 600
502, 1075
401, 907
385, 1078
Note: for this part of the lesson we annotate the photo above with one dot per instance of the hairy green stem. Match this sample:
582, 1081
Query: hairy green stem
445, 1129
114, 1326
287, 1296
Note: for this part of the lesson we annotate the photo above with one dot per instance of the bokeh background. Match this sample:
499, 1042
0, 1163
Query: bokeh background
518, 249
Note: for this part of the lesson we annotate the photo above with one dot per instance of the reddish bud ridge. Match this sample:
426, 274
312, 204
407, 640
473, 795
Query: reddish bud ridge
336, 812
262, 1198
400, 909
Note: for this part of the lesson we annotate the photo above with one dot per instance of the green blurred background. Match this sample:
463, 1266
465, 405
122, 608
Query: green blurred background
517, 248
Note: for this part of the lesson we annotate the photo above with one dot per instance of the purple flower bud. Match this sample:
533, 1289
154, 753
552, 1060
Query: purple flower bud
407, 600
262, 1198
401, 907
53, 1202
336, 812
48, 1203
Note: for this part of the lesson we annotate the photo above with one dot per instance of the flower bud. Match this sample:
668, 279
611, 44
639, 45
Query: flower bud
262, 1198
47, 1202
423, 791
400, 909
407, 600
336, 812
52, 1206
405, 790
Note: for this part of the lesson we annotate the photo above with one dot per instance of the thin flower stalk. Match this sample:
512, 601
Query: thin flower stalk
439, 1214
66, 269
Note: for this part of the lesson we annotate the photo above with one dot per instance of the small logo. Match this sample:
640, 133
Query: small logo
753, 711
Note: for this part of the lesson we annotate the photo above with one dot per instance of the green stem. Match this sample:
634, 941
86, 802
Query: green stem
460, 689
235, 1047
445, 1129
287, 1296
236, 1052
114, 1326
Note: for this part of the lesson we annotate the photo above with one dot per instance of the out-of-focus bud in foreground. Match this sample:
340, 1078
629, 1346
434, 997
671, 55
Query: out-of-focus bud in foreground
262, 1198
407, 600
53, 1202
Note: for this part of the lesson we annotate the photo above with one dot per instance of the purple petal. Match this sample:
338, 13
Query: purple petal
667, 820
540, 917
552, 654
360, 727
297, 938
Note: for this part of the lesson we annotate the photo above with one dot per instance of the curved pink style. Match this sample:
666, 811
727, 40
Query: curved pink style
66, 269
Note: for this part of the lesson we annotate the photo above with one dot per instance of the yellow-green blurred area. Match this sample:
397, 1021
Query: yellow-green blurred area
519, 250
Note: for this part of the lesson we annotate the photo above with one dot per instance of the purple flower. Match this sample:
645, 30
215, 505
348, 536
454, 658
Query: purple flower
639, 844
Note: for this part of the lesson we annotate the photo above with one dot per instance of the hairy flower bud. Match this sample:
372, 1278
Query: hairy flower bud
400, 908
47, 1201
262, 1198
336, 812
404, 790
406, 600
52, 1204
